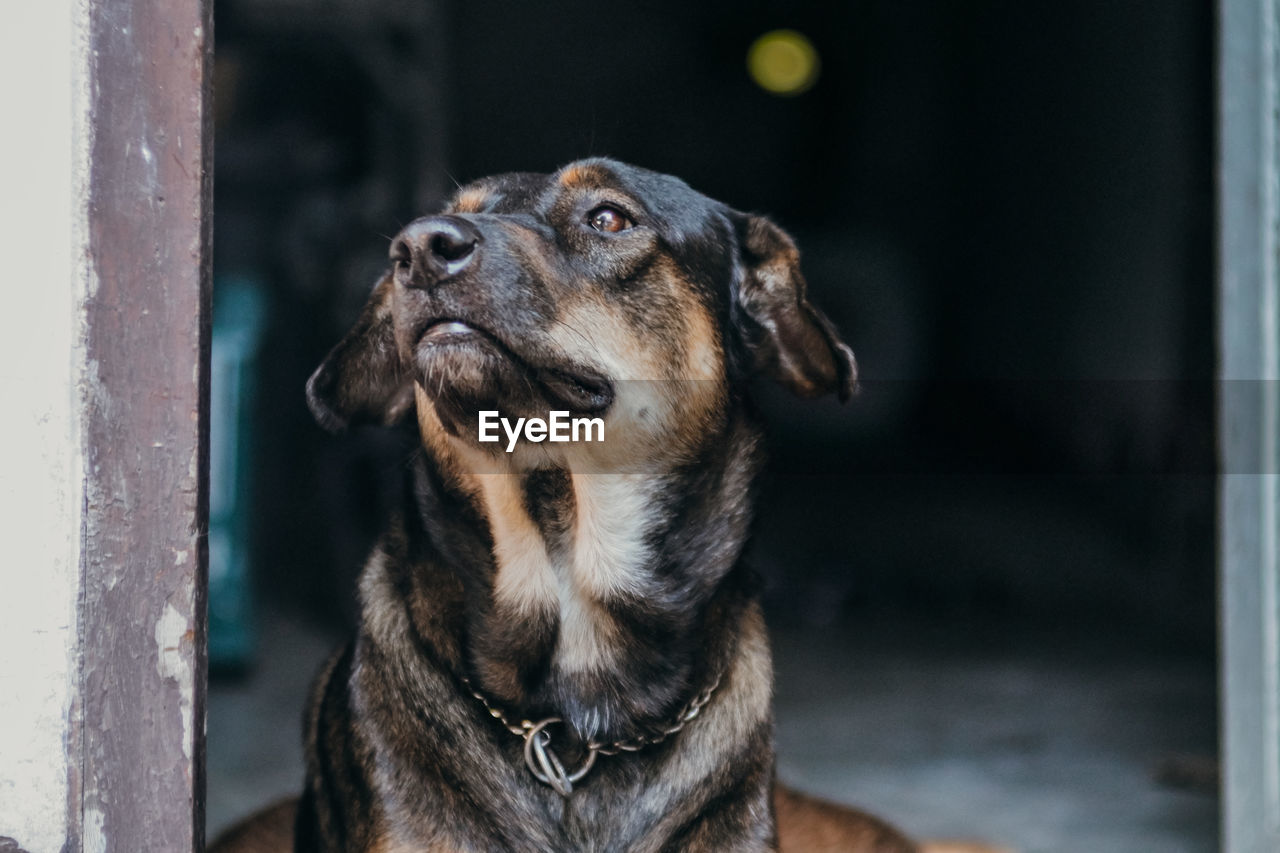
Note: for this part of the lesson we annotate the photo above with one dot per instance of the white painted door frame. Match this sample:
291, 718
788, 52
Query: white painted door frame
1249, 413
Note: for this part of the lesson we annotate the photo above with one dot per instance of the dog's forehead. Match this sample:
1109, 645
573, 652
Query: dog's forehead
512, 192
666, 198
667, 201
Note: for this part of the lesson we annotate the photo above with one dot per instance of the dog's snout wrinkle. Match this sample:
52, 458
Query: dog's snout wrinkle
437, 248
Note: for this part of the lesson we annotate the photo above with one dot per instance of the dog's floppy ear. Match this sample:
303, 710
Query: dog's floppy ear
360, 380
784, 335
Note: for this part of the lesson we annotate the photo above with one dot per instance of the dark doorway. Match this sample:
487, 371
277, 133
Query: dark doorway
991, 576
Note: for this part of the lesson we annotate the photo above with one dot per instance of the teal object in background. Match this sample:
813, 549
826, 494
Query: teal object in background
239, 316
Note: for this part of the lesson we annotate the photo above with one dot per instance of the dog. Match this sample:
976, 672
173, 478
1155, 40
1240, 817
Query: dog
561, 647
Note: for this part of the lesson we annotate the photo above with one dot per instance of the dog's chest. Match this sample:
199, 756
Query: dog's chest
572, 568
598, 818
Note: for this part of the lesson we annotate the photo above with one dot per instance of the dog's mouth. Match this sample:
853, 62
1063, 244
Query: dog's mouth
573, 386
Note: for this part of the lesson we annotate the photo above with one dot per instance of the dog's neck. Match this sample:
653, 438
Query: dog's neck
607, 599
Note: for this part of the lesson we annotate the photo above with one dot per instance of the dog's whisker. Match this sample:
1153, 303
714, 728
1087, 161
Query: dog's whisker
590, 342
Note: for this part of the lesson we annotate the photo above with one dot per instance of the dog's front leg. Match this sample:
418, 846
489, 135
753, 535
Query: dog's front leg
334, 812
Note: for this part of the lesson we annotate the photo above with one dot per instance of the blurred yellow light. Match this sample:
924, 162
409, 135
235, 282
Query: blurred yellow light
783, 62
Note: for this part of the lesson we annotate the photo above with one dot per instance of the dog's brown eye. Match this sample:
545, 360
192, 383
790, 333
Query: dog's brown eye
609, 219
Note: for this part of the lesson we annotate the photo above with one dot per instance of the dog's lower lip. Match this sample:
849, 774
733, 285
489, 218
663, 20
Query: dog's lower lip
448, 328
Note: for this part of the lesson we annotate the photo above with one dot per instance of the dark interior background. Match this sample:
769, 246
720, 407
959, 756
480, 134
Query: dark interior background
1005, 207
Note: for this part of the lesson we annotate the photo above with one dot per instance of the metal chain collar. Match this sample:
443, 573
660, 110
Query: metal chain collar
546, 766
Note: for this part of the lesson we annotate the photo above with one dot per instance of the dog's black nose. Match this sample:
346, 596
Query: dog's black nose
435, 248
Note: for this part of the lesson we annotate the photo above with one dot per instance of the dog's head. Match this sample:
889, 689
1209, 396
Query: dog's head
603, 290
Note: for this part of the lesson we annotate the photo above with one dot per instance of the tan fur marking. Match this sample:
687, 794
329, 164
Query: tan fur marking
526, 580
597, 332
609, 550
704, 358
586, 640
575, 175
443, 447
471, 200
665, 399
809, 825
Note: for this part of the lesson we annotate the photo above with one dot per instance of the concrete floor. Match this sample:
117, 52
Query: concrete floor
1035, 743
1036, 740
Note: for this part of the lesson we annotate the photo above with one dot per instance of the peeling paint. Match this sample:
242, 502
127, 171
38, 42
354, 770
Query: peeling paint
172, 633
95, 837
135, 784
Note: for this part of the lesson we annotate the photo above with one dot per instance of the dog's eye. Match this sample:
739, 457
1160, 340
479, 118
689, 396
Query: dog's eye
609, 219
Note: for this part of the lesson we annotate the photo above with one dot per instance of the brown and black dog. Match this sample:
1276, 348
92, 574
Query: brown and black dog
561, 648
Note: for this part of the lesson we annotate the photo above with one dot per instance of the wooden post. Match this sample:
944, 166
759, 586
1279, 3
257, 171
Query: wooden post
145, 426
1249, 414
